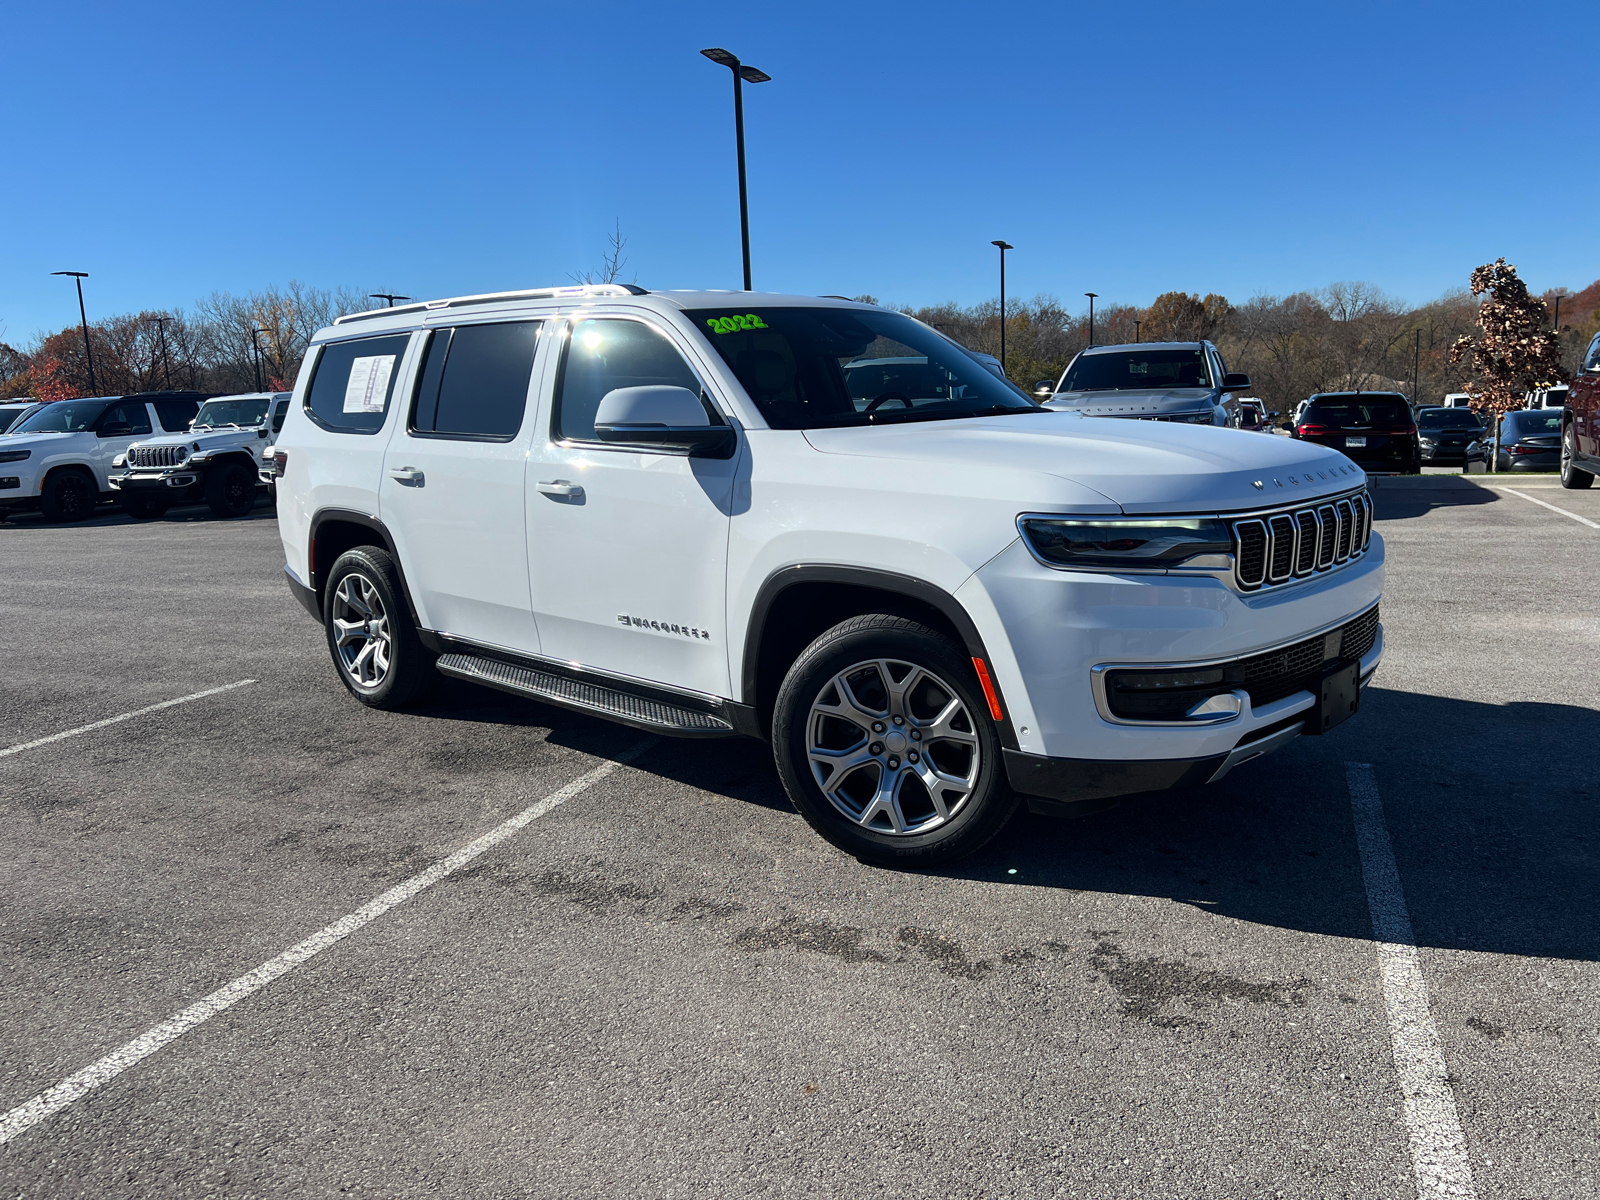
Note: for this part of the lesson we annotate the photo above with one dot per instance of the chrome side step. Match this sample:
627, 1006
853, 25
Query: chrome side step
657, 715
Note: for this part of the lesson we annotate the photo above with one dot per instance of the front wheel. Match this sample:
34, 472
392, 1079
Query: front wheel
370, 633
1571, 475
884, 742
231, 490
68, 495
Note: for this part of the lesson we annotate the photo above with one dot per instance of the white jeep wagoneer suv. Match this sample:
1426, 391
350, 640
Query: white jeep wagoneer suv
823, 524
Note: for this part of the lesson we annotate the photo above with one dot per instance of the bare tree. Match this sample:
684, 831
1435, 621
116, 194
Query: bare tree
613, 262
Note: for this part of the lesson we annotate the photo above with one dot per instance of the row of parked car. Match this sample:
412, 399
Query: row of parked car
146, 452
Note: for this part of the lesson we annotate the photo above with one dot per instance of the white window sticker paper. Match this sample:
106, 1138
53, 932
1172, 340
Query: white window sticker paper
369, 384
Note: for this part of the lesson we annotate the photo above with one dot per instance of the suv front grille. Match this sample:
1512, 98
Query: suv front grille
156, 456
1274, 548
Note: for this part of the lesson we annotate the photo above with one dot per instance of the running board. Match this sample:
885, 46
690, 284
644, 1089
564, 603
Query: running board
656, 715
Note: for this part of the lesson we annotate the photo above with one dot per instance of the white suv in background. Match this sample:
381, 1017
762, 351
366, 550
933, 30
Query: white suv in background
218, 459
711, 514
58, 458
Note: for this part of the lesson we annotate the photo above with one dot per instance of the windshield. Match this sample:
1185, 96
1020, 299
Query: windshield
1533, 424
1391, 412
243, 413
64, 416
1138, 371
8, 417
1447, 418
813, 368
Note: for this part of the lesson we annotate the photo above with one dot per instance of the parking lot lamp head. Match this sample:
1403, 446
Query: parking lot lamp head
78, 277
742, 74
389, 296
1091, 296
1004, 246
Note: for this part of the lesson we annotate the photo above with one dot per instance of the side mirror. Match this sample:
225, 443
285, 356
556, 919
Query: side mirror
671, 418
1273, 416
1234, 379
114, 431
1043, 388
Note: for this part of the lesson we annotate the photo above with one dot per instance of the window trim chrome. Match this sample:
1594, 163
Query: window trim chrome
1102, 702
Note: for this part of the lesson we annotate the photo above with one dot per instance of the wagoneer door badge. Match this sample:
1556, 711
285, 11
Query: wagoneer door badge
688, 631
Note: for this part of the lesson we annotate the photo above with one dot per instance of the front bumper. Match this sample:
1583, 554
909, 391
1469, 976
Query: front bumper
169, 477
1065, 786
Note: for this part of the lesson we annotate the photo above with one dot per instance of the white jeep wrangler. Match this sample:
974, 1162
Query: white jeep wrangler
218, 459
823, 524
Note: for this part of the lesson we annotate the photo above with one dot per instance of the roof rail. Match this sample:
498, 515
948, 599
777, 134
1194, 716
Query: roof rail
578, 289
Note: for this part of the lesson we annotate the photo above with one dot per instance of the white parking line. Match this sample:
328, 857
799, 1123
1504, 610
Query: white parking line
75, 1086
1535, 500
127, 716
1438, 1147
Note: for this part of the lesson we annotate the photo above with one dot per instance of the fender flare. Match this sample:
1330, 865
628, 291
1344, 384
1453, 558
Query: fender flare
885, 581
351, 517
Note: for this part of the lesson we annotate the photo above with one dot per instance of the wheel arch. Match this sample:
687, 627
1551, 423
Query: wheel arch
336, 530
798, 603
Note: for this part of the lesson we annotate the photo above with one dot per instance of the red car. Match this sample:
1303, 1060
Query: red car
1580, 428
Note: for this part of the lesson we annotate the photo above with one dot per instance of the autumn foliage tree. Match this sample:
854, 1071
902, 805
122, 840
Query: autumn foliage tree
1514, 349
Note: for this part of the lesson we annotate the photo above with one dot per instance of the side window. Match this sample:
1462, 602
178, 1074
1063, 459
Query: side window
605, 354
353, 381
1591, 360
176, 414
279, 411
130, 413
474, 381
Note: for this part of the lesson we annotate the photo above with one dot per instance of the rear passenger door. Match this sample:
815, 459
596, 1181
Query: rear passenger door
452, 489
119, 427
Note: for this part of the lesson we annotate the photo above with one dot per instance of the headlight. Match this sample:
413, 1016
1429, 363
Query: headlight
1120, 544
1207, 417
14, 455
1426, 441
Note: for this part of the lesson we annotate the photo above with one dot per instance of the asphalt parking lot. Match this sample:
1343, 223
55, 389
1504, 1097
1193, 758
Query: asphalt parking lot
666, 985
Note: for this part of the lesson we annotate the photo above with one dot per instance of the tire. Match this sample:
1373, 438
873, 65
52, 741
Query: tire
891, 668
231, 490
393, 668
143, 505
1572, 477
68, 495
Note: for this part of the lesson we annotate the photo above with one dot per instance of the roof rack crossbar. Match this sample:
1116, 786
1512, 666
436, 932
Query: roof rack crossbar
578, 289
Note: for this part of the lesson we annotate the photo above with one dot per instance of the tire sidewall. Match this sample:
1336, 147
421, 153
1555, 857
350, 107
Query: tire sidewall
410, 665
68, 481
985, 811
217, 491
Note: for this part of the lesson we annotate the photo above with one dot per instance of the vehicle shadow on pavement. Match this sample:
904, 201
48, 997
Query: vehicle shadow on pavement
1495, 856
111, 515
1405, 497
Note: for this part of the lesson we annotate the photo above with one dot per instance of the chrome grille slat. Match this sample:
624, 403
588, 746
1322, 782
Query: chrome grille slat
155, 456
1276, 547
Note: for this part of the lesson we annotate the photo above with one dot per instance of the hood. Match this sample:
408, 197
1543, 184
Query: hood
1143, 466
207, 440
1133, 404
24, 441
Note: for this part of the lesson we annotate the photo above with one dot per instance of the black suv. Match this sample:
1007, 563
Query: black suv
1445, 433
1373, 429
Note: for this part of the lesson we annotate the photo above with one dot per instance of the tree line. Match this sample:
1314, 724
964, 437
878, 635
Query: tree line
1345, 337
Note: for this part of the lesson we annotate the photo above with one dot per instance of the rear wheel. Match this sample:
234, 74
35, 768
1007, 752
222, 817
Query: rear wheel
68, 495
1571, 475
231, 490
370, 634
884, 743
143, 505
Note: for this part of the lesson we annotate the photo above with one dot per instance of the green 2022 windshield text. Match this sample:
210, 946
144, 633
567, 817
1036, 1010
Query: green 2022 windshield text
735, 324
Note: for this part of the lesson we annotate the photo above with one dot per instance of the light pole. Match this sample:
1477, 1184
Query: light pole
78, 277
166, 363
1091, 296
1136, 325
1416, 367
389, 296
1004, 246
255, 347
742, 74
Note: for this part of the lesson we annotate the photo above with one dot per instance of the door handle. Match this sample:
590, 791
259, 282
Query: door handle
407, 475
560, 487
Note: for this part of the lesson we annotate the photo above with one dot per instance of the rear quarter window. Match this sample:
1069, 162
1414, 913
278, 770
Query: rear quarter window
353, 383
176, 414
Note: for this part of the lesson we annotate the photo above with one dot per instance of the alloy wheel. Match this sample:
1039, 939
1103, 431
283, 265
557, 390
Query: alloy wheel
361, 631
893, 747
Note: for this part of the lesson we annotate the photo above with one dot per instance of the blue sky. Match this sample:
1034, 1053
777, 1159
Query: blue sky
437, 149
